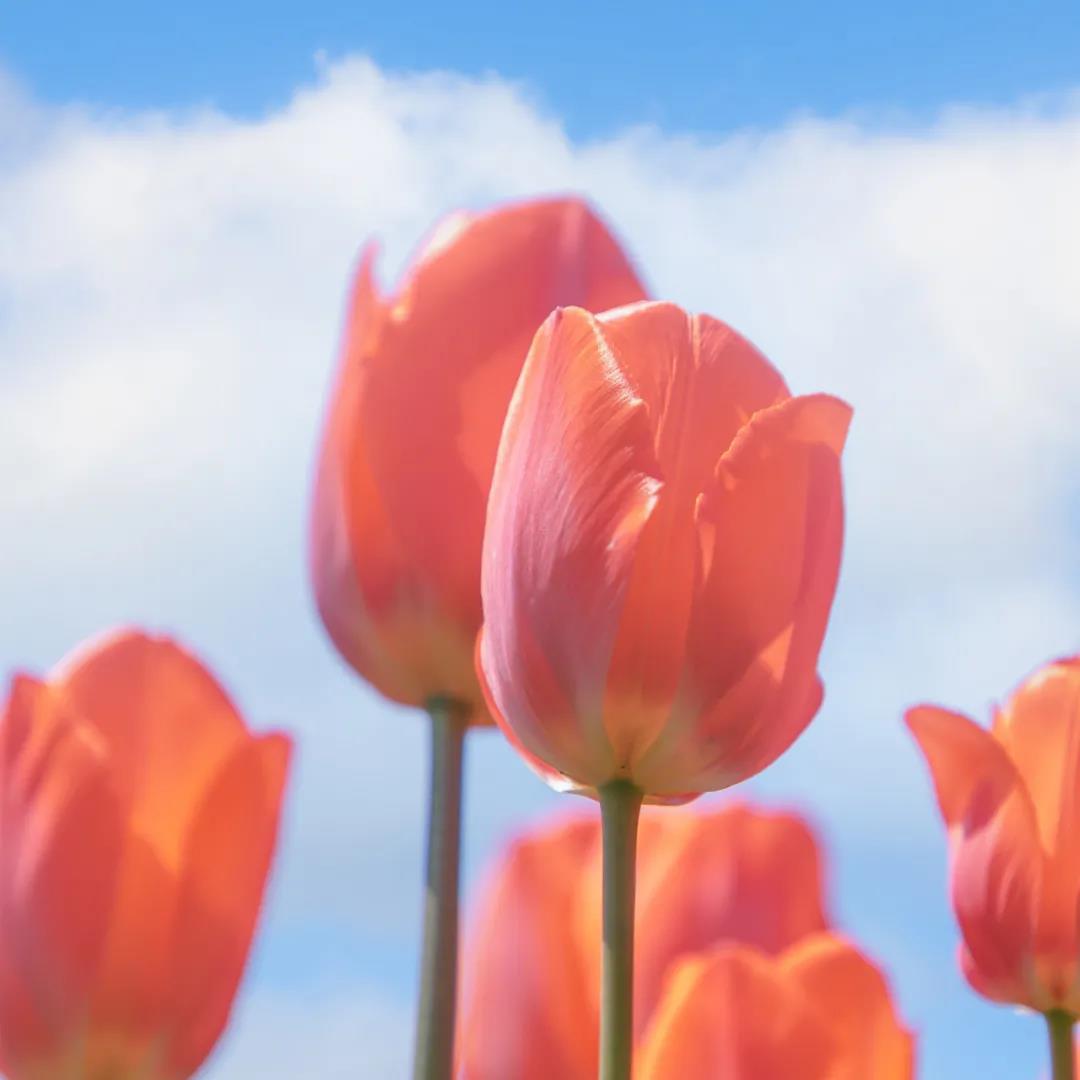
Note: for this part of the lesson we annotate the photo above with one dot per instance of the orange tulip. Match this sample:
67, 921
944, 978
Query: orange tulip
821, 1011
662, 547
138, 819
722, 873
425, 379
531, 991
1009, 799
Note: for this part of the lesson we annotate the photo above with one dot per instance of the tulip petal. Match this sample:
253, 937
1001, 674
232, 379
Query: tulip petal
524, 1012
996, 860
556, 780
60, 836
167, 725
128, 1002
770, 529
700, 381
733, 1013
227, 856
1040, 730
854, 1001
343, 481
575, 483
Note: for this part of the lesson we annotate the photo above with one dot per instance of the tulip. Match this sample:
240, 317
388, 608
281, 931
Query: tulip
662, 548
138, 819
821, 1011
1008, 798
722, 874
425, 378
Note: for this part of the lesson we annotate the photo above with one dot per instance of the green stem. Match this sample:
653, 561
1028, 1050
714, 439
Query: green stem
1059, 1025
434, 1056
620, 806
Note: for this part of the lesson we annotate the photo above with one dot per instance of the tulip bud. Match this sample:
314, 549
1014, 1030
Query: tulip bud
662, 547
425, 378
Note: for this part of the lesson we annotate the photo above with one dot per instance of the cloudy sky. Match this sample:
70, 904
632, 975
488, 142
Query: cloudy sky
174, 247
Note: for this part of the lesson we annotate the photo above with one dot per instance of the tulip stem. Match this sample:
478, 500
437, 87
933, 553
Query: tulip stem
1060, 1025
620, 807
434, 1057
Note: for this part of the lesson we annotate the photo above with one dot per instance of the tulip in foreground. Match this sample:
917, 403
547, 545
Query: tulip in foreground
425, 378
138, 819
731, 874
662, 548
1009, 798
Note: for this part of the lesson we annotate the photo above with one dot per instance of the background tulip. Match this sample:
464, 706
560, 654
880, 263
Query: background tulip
721, 873
1009, 799
425, 378
821, 1011
532, 978
662, 548
138, 817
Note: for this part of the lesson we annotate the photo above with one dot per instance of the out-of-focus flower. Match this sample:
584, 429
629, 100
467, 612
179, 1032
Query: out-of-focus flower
821, 1011
729, 873
1010, 798
412, 431
531, 988
662, 548
138, 819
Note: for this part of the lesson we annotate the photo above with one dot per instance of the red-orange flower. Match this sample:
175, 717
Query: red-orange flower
531, 989
1010, 797
821, 1011
424, 382
138, 818
662, 547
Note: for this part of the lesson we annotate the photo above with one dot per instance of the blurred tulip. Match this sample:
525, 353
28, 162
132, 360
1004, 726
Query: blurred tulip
716, 874
1009, 797
662, 547
425, 379
821, 1011
138, 819
532, 984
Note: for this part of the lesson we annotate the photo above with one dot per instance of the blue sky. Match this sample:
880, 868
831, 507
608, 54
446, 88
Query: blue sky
885, 203
688, 66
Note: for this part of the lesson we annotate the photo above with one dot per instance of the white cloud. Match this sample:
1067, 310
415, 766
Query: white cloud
170, 292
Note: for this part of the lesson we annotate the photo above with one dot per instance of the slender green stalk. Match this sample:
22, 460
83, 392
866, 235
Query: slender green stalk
1059, 1025
434, 1057
620, 806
